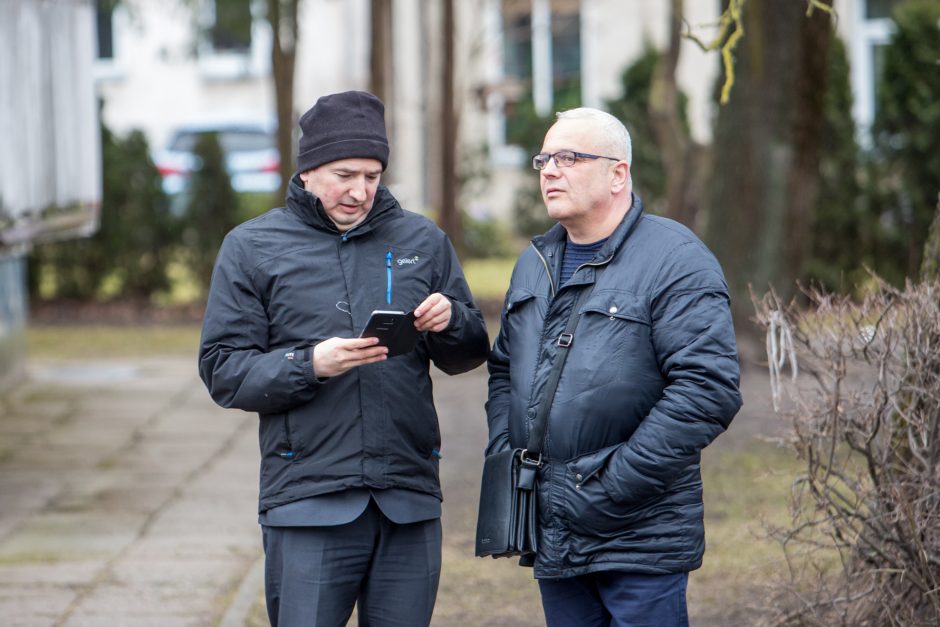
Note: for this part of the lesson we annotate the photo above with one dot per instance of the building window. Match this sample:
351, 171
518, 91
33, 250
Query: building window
109, 19
873, 32
566, 46
236, 39
540, 68
231, 26
104, 18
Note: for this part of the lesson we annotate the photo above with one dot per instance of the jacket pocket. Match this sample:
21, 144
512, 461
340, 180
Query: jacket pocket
588, 508
617, 306
519, 312
274, 434
516, 299
612, 342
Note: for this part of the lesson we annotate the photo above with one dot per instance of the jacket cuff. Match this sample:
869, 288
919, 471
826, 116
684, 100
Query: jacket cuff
309, 371
457, 314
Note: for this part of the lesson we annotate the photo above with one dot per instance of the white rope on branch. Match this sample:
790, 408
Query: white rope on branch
779, 349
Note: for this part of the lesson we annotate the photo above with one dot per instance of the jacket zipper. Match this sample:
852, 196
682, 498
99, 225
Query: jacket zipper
289, 453
388, 275
551, 283
548, 272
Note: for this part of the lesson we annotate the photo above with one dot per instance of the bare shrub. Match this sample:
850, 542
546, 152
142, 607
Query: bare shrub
860, 385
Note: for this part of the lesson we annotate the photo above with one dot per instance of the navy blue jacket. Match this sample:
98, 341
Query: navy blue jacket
289, 279
651, 378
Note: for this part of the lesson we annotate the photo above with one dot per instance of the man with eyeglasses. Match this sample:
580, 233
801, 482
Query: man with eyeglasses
651, 378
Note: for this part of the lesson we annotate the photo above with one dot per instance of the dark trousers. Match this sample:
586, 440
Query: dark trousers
314, 576
614, 599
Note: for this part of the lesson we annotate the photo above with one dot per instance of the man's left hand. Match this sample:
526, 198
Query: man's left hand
433, 314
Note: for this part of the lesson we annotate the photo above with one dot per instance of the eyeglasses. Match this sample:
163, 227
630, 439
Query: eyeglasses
564, 158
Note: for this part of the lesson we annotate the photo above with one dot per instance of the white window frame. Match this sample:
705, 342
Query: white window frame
868, 34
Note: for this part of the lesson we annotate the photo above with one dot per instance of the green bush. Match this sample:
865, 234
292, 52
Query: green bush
129, 253
907, 131
485, 238
211, 209
844, 235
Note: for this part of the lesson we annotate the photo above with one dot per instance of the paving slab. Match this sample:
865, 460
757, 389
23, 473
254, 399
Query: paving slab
128, 497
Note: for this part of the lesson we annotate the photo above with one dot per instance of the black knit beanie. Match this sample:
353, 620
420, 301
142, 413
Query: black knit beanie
348, 125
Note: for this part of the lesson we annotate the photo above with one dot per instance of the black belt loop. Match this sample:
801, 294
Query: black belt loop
565, 340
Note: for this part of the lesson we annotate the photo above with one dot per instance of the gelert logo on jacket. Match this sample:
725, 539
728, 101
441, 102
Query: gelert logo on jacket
408, 260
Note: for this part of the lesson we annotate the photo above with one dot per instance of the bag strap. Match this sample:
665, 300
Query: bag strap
533, 452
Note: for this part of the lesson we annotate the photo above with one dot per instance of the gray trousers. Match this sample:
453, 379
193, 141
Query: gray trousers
314, 576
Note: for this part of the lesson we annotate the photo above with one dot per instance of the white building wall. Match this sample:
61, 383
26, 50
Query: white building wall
156, 83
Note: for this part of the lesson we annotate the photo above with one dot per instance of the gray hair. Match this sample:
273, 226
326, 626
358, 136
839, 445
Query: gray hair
613, 133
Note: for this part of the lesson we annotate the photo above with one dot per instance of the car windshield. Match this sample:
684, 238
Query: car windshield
239, 140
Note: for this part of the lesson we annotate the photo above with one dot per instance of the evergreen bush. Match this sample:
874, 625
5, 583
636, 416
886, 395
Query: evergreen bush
907, 130
211, 209
131, 248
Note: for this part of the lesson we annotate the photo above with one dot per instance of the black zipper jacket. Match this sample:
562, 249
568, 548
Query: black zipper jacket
651, 378
289, 279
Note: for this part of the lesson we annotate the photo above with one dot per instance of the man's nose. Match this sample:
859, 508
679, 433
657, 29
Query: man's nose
550, 168
358, 190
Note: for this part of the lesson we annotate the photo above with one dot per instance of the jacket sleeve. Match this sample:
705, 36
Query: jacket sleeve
693, 339
498, 400
464, 344
236, 363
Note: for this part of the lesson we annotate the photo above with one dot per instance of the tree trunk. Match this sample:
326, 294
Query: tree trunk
807, 132
282, 15
766, 150
683, 159
450, 213
380, 58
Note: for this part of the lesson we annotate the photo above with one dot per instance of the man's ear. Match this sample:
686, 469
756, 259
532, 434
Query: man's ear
304, 176
620, 174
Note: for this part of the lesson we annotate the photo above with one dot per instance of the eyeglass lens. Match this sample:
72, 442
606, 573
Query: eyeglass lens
563, 159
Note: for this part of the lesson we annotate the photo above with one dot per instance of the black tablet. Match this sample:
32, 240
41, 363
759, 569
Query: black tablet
395, 329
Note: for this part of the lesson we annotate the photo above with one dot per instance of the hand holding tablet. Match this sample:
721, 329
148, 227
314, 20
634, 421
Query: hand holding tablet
395, 330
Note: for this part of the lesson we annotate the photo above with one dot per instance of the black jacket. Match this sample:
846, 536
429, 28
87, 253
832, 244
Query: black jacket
289, 279
650, 380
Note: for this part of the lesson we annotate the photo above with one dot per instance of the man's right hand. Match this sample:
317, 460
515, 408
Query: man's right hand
337, 355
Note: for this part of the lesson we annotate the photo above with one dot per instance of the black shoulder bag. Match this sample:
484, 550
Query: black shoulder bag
506, 523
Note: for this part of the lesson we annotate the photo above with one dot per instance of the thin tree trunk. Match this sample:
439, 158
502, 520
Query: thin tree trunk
282, 15
807, 130
450, 214
682, 158
380, 53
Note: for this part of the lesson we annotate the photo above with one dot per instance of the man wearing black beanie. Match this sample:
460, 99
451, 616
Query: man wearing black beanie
350, 445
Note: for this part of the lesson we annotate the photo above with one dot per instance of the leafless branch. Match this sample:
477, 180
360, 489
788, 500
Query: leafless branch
864, 407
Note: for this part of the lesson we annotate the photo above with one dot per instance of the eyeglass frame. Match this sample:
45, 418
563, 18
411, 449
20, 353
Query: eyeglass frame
575, 156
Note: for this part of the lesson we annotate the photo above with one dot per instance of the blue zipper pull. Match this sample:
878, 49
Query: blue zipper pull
388, 274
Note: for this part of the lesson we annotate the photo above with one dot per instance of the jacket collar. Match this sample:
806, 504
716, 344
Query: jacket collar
555, 237
309, 209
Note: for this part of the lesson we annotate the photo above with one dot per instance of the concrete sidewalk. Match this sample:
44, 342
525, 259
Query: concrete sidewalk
126, 497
